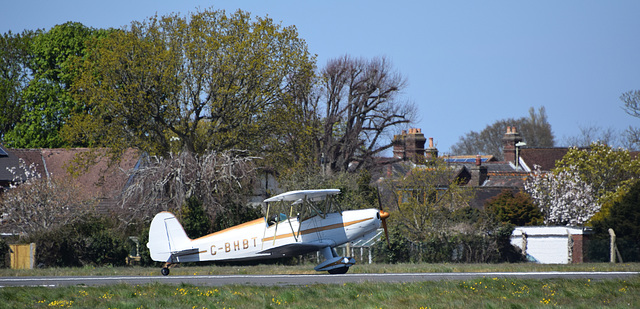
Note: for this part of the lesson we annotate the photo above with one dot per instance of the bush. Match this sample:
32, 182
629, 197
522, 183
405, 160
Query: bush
4, 252
624, 218
493, 247
87, 241
195, 221
517, 209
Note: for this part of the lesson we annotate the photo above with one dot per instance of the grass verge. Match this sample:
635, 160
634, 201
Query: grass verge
482, 292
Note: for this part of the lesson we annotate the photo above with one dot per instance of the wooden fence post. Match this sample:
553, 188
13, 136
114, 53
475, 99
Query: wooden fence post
612, 245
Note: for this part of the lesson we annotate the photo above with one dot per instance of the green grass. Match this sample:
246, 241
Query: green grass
477, 293
308, 269
485, 292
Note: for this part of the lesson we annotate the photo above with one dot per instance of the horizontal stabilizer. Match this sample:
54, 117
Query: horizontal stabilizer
185, 252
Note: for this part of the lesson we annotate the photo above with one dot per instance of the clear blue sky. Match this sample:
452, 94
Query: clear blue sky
468, 63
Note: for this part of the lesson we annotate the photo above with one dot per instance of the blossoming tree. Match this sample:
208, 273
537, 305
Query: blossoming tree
563, 197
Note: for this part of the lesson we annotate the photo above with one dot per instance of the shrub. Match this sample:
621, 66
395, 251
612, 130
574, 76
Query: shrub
517, 209
624, 218
87, 241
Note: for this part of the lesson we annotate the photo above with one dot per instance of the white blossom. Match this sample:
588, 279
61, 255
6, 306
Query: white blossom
563, 198
33, 203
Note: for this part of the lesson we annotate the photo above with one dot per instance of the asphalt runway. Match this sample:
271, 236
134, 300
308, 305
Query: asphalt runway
297, 280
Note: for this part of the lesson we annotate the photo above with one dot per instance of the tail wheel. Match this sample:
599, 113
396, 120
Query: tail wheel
165, 271
338, 271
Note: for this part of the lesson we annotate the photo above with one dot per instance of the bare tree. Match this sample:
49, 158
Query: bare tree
631, 100
590, 134
217, 179
34, 204
361, 105
535, 130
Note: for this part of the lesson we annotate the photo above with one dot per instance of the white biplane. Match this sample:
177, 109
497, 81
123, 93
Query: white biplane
319, 225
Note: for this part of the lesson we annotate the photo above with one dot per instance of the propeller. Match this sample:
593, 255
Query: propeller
383, 216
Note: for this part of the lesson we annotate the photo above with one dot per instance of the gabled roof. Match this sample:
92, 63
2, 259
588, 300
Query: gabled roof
544, 157
101, 180
7, 160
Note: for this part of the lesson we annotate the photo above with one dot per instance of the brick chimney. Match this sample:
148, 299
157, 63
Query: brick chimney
398, 145
478, 173
409, 146
432, 151
509, 140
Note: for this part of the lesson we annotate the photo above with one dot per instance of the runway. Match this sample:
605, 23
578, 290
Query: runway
297, 280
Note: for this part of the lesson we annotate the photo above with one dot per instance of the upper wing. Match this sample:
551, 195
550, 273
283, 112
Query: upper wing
313, 195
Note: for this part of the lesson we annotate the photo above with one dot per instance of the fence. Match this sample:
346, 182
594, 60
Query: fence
23, 256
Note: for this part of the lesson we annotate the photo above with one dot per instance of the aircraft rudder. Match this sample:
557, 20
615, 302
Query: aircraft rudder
166, 235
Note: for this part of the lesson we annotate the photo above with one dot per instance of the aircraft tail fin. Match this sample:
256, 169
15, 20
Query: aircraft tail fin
166, 236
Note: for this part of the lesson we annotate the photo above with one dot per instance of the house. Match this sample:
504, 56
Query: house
102, 180
488, 176
7, 161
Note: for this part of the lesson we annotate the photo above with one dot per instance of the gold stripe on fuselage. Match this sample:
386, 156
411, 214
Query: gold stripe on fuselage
317, 229
254, 222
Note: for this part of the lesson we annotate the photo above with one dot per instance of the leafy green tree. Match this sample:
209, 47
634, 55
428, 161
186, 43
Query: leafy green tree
425, 198
207, 81
46, 101
624, 218
14, 77
535, 131
517, 209
195, 221
355, 189
609, 171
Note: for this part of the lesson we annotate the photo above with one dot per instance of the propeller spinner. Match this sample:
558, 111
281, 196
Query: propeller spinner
383, 216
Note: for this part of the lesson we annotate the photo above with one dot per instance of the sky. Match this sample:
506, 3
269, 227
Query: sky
467, 63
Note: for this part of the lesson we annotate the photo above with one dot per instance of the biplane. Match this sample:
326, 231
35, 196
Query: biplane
315, 223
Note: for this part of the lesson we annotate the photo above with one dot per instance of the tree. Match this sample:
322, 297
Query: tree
535, 130
631, 100
221, 182
208, 81
424, 199
359, 105
39, 204
195, 221
624, 218
593, 134
46, 101
517, 209
564, 197
609, 171
14, 77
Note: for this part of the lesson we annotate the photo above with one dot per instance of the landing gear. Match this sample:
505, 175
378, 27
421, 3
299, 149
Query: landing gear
165, 271
338, 271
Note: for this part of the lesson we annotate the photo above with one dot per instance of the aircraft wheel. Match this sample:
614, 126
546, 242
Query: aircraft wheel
338, 271
164, 271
